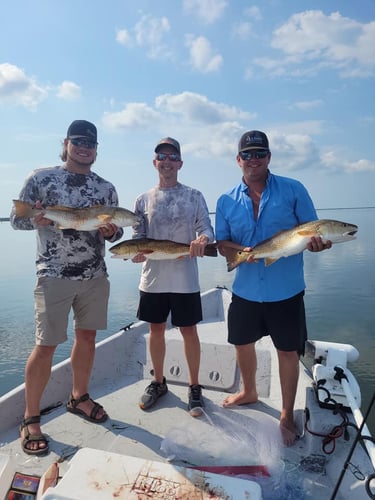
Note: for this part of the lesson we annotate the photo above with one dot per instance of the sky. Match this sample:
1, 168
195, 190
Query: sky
201, 71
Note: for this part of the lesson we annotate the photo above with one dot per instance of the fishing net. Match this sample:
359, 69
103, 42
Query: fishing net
246, 446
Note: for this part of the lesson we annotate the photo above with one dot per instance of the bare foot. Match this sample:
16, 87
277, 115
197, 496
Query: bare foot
240, 398
288, 431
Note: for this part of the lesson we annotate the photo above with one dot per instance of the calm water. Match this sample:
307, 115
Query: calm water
340, 297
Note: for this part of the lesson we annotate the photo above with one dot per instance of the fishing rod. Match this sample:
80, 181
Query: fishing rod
351, 451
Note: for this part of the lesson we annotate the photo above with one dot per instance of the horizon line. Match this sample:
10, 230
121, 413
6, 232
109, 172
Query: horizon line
7, 219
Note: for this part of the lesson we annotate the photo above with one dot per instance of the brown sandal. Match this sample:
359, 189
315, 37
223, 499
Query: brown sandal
72, 407
32, 438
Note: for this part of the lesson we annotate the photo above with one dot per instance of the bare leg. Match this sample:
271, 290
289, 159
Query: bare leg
82, 360
37, 374
192, 351
289, 373
247, 362
157, 349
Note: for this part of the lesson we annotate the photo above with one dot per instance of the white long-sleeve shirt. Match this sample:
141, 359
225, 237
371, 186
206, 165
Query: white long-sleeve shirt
179, 214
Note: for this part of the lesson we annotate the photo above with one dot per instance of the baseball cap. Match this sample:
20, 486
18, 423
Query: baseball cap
168, 140
82, 128
254, 139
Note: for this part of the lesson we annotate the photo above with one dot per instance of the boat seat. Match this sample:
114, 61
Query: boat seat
218, 367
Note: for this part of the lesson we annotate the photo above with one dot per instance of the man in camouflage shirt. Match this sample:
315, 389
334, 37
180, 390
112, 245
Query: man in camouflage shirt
71, 274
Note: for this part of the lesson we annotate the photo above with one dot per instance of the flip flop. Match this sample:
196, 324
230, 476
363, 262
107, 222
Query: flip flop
32, 438
72, 408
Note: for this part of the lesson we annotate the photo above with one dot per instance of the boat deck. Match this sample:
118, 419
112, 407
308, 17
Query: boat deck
246, 435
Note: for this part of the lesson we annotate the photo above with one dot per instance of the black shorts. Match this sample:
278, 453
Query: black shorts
284, 321
185, 308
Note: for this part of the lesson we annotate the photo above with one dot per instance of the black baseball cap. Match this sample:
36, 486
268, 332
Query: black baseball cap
254, 139
171, 142
82, 128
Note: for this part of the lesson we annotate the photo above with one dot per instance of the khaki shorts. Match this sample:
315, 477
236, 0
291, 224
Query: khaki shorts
54, 298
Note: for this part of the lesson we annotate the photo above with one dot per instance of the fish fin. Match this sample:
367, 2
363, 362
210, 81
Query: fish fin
104, 218
23, 209
146, 252
268, 261
210, 250
61, 208
306, 232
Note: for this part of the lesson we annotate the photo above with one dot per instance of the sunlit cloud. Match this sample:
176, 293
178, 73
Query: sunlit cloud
254, 13
312, 41
148, 33
212, 129
69, 91
136, 114
208, 11
18, 88
202, 56
307, 105
123, 37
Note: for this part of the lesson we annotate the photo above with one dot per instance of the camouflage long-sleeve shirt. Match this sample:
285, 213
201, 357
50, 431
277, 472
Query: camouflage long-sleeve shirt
67, 253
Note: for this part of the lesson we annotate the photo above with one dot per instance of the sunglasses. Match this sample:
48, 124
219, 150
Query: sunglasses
84, 142
249, 155
170, 156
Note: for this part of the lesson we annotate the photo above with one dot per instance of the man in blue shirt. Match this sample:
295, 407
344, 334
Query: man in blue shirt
266, 300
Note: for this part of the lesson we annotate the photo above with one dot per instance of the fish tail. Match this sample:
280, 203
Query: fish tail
23, 209
210, 250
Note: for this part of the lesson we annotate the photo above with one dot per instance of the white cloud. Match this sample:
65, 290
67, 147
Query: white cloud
362, 165
312, 41
208, 128
293, 151
207, 11
243, 30
149, 33
18, 88
254, 12
335, 162
198, 108
307, 105
123, 37
202, 56
69, 91
136, 114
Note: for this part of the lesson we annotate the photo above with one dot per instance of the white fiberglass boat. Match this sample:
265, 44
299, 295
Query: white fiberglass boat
227, 453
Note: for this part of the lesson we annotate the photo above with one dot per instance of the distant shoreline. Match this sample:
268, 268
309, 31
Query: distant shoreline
7, 219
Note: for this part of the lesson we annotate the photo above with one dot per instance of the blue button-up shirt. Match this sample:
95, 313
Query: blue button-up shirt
284, 204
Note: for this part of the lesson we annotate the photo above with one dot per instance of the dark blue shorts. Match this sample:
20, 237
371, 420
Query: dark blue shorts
284, 321
185, 308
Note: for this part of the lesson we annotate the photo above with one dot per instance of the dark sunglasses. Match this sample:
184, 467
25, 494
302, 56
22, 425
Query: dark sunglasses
170, 156
84, 142
248, 155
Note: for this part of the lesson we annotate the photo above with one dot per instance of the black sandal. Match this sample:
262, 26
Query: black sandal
72, 407
32, 438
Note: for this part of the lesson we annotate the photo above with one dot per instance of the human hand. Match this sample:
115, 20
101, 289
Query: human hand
316, 244
39, 219
108, 230
250, 259
198, 245
140, 257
